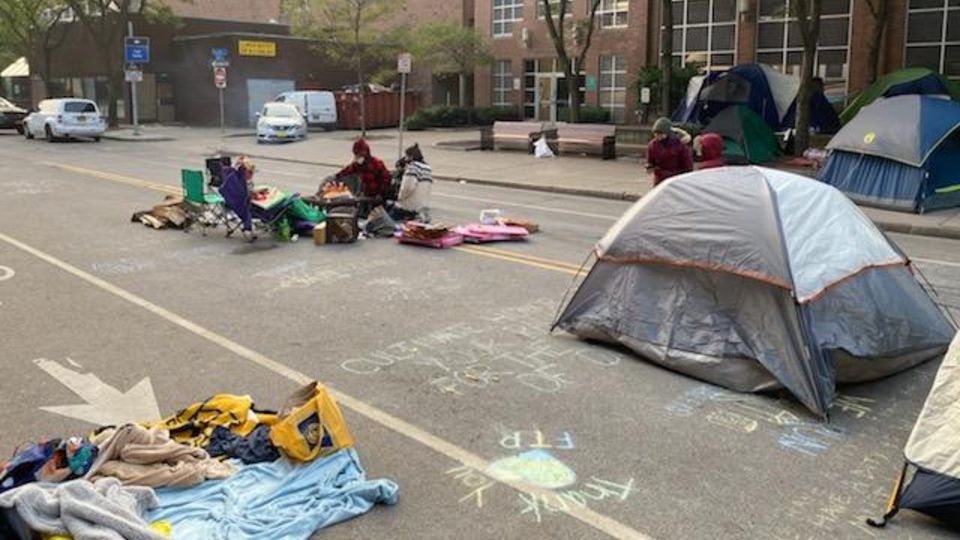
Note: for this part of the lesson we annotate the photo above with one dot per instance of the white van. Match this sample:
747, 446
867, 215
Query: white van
319, 108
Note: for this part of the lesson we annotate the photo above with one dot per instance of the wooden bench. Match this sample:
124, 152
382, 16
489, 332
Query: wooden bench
598, 139
511, 135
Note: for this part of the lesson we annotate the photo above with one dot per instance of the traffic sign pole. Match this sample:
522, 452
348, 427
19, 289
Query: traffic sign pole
133, 92
403, 66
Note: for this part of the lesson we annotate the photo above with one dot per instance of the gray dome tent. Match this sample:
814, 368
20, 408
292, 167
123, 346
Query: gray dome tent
756, 279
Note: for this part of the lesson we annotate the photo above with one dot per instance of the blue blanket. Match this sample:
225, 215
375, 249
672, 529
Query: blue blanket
279, 500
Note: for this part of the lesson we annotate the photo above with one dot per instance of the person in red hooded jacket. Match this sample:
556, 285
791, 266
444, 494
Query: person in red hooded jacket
711, 151
374, 176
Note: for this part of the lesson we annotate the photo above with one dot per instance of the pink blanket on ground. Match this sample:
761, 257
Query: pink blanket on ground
477, 233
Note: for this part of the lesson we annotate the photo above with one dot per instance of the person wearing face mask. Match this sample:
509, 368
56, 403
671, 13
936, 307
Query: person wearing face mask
374, 176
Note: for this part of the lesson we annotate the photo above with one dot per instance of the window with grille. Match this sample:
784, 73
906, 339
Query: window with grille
612, 89
554, 8
933, 36
502, 83
505, 13
780, 45
613, 13
705, 32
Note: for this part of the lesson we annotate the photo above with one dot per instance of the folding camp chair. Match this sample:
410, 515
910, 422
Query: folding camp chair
246, 216
215, 166
203, 208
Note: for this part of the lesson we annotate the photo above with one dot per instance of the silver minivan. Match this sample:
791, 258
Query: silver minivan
65, 118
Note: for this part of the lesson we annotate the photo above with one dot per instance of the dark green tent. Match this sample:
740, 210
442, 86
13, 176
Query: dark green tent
915, 80
746, 136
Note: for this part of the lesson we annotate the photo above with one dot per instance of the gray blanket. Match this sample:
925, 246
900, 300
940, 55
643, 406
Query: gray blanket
105, 510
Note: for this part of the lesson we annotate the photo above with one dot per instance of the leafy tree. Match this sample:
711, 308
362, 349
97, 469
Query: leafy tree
32, 29
879, 9
807, 13
571, 41
450, 49
352, 32
106, 22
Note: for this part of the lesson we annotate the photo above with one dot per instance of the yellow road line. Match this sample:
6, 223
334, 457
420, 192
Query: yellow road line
518, 255
493, 253
129, 180
589, 517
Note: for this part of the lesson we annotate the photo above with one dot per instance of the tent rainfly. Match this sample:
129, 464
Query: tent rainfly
901, 153
755, 279
933, 451
914, 80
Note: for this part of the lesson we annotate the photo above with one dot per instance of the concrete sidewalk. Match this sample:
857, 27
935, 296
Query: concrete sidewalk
623, 179
163, 133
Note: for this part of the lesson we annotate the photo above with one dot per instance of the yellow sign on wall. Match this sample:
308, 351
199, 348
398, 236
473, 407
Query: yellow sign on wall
257, 48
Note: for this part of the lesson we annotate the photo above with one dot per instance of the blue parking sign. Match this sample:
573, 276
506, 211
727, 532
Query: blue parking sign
136, 50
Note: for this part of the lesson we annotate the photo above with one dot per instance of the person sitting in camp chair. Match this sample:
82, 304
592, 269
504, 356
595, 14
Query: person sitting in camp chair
666, 154
413, 195
374, 176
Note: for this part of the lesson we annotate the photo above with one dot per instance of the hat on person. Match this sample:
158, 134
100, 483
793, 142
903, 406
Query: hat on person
662, 125
361, 148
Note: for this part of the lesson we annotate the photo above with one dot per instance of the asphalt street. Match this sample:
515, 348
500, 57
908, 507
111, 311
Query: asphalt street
442, 361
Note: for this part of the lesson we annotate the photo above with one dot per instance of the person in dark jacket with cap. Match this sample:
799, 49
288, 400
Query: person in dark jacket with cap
666, 154
374, 176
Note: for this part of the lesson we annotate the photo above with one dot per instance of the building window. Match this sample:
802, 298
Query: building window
505, 13
779, 43
933, 36
612, 13
613, 86
554, 8
502, 83
705, 33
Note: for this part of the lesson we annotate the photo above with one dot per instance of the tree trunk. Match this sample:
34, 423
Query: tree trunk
462, 90
47, 70
802, 141
876, 35
361, 91
666, 58
573, 92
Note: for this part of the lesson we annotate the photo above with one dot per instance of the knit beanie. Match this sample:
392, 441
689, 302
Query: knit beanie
662, 125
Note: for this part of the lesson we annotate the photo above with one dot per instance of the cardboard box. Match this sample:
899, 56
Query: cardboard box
320, 234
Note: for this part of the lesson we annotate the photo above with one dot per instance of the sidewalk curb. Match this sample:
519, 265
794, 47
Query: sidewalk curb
142, 139
888, 226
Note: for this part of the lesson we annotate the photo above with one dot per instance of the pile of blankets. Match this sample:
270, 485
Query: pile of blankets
217, 469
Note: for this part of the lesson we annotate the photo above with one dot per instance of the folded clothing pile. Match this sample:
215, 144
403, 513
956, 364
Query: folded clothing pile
102, 486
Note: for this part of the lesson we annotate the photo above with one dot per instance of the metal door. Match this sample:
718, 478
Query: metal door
260, 91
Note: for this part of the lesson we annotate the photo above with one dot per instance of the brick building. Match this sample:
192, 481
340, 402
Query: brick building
716, 33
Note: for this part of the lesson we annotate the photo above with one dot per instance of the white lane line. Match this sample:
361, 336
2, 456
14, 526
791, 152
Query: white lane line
589, 517
6, 273
936, 262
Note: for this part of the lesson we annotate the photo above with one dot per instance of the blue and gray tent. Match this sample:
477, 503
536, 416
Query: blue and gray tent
901, 153
933, 451
757, 279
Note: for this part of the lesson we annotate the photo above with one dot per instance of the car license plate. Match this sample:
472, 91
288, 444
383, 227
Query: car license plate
282, 135
81, 119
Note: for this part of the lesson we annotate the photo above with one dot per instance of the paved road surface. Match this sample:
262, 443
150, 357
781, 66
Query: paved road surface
441, 359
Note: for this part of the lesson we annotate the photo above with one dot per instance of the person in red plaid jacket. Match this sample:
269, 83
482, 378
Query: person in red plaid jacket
374, 176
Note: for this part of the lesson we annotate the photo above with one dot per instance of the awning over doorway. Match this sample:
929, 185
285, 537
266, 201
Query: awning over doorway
19, 68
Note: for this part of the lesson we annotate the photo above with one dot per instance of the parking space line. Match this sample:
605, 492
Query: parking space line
589, 517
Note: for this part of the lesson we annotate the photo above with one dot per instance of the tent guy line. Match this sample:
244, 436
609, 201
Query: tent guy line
454, 452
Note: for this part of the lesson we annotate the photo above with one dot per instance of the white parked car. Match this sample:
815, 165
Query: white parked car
280, 122
318, 107
65, 118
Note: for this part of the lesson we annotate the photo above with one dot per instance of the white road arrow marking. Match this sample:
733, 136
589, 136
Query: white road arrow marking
105, 405
6, 273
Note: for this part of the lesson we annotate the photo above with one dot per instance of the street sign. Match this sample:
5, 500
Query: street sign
404, 63
219, 54
136, 50
133, 75
220, 63
220, 77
